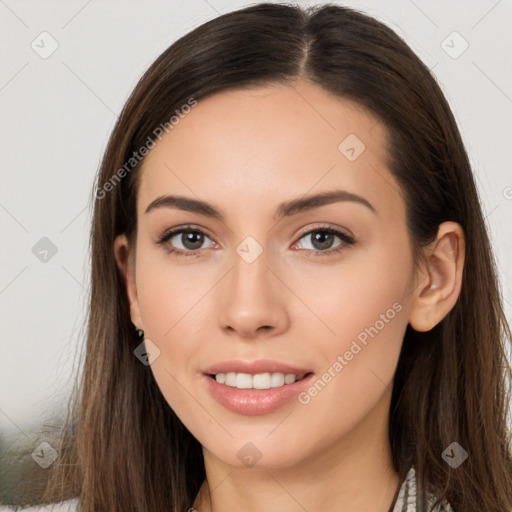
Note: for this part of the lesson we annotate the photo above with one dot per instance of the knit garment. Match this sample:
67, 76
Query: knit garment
408, 501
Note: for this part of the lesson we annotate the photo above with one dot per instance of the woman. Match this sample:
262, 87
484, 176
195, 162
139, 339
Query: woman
294, 303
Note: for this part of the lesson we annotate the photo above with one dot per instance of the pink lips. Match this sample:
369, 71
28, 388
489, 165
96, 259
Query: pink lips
253, 367
253, 402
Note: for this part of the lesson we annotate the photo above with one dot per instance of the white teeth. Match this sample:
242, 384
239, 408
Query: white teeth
257, 381
230, 379
289, 378
277, 380
243, 381
261, 381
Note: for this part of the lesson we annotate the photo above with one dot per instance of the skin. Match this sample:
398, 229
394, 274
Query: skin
245, 152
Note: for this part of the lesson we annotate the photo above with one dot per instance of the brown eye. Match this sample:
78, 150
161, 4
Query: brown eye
184, 241
322, 241
191, 240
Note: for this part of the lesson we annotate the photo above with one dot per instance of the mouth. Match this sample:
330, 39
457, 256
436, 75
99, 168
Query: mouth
256, 394
265, 380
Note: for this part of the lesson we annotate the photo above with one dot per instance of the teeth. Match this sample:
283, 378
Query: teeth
243, 381
230, 379
257, 381
261, 381
289, 378
276, 380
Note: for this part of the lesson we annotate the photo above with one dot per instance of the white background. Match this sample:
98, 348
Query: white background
57, 114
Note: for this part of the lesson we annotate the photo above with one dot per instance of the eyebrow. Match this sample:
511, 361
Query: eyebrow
285, 209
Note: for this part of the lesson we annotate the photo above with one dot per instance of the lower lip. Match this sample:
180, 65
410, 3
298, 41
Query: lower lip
252, 402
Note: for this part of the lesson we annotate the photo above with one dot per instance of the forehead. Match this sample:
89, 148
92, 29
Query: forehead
270, 142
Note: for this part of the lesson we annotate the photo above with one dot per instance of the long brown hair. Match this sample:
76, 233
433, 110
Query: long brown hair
122, 446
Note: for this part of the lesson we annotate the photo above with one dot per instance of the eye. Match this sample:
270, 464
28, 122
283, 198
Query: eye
322, 240
185, 241
189, 240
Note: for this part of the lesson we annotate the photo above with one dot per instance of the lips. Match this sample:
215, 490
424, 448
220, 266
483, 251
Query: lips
255, 367
255, 401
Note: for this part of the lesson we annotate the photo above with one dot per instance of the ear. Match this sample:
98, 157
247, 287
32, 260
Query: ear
440, 275
126, 262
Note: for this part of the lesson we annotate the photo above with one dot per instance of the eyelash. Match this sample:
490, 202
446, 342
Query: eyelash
346, 239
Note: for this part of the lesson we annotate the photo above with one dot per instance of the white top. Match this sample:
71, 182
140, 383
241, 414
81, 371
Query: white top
407, 500
63, 506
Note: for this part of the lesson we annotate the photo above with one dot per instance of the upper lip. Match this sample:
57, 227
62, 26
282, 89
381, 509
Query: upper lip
254, 367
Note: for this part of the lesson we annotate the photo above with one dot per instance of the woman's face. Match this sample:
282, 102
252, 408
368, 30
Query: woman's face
321, 286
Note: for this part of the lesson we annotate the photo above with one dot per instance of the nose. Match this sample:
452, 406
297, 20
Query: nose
253, 301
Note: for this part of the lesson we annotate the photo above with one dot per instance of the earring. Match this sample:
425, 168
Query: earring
140, 333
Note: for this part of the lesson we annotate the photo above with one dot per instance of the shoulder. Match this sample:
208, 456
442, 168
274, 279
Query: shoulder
63, 506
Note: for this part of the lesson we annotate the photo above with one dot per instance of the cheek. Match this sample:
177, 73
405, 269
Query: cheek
364, 289
170, 295
360, 319
175, 303
170, 300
